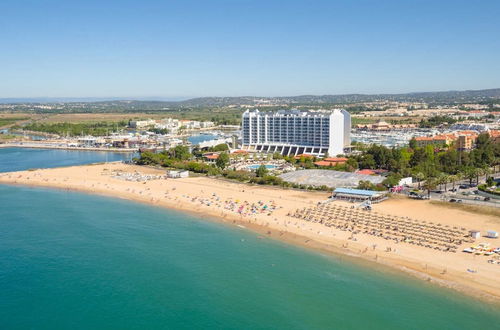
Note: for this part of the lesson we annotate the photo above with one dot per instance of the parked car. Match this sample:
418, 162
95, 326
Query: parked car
463, 186
453, 200
487, 198
477, 198
475, 192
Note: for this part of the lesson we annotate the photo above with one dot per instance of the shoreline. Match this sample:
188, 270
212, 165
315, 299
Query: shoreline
304, 235
31, 145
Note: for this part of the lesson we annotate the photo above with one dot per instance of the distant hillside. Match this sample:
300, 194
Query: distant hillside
438, 97
109, 105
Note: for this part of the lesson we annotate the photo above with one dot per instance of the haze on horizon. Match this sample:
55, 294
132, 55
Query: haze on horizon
183, 49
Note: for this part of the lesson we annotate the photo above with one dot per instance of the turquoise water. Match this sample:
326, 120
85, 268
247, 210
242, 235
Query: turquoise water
77, 261
256, 166
19, 159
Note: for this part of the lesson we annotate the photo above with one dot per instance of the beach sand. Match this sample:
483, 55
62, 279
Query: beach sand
265, 210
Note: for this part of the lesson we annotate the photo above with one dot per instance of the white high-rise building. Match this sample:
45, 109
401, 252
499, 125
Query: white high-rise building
294, 132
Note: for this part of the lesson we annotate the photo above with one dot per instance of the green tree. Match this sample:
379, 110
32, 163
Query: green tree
277, 155
470, 174
365, 184
352, 164
180, 153
261, 171
220, 147
443, 179
430, 184
367, 161
413, 143
419, 176
392, 180
222, 161
454, 178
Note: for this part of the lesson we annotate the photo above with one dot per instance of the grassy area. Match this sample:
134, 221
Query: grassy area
74, 129
5, 121
76, 118
7, 137
362, 121
217, 115
476, 209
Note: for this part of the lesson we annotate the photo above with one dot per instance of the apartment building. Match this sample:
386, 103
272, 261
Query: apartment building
293, 132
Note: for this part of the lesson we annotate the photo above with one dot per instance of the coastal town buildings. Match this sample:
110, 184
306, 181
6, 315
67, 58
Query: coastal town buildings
293, 132
384, 126
463, 140
141, 123
171, 124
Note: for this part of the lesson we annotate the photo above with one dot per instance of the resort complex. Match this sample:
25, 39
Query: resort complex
293, 132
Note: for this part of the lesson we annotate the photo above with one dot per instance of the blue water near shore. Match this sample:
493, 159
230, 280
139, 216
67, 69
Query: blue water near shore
77, 261
20, 159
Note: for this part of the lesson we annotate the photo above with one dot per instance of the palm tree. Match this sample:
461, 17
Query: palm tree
419, 176
486, 172
429, 185
445, 178
470, 174
478, 172
440, 180
454, 178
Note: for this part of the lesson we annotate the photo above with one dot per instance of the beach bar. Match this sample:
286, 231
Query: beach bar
359, 195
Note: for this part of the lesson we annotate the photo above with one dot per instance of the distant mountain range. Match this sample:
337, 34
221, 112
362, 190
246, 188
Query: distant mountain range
428, 97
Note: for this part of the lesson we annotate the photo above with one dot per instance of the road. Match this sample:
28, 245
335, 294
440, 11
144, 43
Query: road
466, 195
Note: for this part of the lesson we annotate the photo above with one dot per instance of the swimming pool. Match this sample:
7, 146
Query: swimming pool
256, 166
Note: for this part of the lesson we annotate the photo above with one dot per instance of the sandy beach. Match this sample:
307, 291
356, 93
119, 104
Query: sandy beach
272, 212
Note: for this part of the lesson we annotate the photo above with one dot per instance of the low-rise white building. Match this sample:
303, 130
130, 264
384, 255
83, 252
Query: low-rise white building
174, 174
141, 123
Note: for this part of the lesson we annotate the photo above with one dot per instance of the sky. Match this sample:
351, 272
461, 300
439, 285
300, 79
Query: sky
185, 48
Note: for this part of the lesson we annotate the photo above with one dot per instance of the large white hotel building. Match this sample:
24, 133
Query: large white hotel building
295, 132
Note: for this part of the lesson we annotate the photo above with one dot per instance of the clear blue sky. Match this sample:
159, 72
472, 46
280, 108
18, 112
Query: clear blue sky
189, 48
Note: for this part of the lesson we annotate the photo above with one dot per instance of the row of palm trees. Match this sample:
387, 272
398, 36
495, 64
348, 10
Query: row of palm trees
443, 179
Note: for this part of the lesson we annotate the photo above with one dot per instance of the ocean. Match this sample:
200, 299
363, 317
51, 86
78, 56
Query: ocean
20, 159
71, 260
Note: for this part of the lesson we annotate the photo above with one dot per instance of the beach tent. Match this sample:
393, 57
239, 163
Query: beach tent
475, 233
492, 234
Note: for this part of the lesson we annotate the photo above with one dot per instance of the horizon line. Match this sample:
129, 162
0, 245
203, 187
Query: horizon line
186, 98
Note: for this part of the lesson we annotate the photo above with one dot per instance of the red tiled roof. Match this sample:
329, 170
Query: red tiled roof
214, 156
494, 133
335, 159
366, 171
323, 163
467, 133
304, 155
